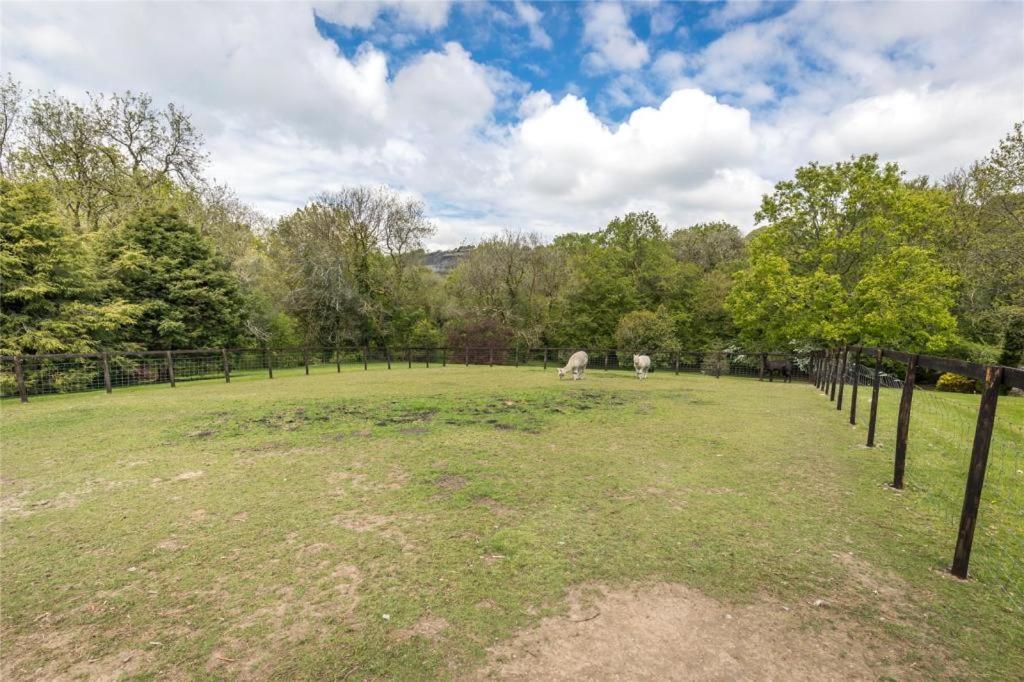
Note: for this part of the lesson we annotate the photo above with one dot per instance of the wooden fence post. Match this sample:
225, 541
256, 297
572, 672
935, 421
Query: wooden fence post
444, 356
170, 367
606, 361
366, 357
517, 356
337, 359
976, 474
903, 424
760, 370
428, 357
856, 383
467, 356
270, 362
19, 377
675, 361
835, 376
491, 358
876, 382
106, 373
305, 359
718, 364
227, 365
833, 369
842, 378
387, 354
545, 358
408, 357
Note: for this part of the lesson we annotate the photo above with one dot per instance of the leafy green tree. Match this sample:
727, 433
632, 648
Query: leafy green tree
643, 331
51, 293
821, 265
627, 266
349, 266
983, 245
710, 246
904, 300
513, 278
187, 295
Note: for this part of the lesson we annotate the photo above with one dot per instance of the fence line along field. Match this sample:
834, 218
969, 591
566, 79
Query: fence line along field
483, 521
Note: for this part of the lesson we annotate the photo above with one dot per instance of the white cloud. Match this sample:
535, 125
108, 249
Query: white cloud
419, 14
615, 45
531, 16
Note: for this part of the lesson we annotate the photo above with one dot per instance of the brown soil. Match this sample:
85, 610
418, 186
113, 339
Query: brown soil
668, 631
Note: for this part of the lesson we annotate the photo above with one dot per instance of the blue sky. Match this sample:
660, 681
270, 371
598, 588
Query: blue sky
549, 117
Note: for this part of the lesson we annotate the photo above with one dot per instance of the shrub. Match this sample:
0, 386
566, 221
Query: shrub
955, 383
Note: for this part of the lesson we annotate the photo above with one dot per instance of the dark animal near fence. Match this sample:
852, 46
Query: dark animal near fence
783, 366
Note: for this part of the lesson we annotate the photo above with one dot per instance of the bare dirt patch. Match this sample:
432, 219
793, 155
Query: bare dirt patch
428, 627
668, 631
188, 475
384, 526
451, 482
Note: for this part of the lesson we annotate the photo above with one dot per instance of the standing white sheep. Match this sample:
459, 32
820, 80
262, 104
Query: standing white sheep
577, 363
642, 365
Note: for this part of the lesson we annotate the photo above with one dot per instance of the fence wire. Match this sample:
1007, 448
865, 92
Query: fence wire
941, 436
45, 375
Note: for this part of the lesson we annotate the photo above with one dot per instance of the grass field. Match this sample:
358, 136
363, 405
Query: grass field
401, 524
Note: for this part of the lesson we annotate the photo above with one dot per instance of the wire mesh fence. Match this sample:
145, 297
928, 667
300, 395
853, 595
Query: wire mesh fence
948, 448
35, 375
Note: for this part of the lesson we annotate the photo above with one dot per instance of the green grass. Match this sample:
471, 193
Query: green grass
303, 527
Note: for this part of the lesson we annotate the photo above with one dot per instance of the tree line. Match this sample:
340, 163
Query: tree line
112, 237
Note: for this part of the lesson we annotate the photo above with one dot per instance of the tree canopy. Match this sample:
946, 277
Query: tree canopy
111, 237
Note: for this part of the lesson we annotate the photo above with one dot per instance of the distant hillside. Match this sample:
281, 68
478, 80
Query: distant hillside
443, 262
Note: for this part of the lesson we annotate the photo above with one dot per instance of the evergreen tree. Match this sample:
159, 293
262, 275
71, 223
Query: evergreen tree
187, 296
51, 294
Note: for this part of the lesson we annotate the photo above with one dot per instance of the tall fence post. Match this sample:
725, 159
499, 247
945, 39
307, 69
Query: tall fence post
842, 378
718, 364
337, 359
517, 356
467, 356
387, 354
833, 369
823, 369
545, 358
444, 356
675, 361
876, 382
606, 361
19, 377
903, 424
760, 370
305, 359
976, 474
408, 357
428, 352
490, 358
227, 365
853, 390
170, 367
270, 362
366, 357
106, 373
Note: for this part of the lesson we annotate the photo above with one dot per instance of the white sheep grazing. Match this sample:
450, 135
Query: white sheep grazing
577, 363
642, 365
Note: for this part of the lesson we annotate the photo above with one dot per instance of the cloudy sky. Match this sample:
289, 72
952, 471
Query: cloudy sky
552, 117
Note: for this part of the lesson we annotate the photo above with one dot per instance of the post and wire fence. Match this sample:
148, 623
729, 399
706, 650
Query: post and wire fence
959, 445
24, 376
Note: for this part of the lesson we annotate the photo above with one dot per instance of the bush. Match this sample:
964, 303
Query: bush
954, 383
643, 331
